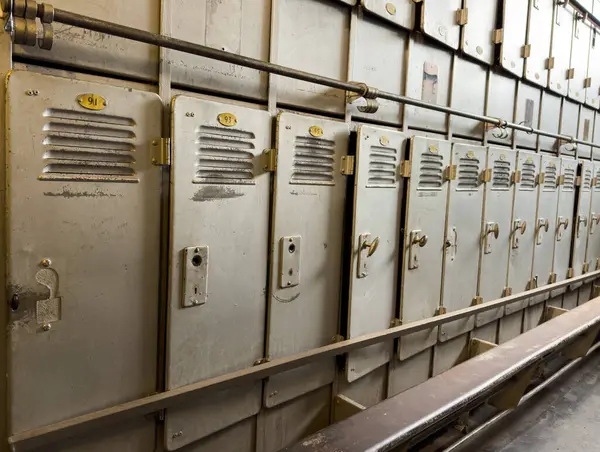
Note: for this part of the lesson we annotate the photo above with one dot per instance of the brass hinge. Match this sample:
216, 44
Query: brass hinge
260, 361
405, 169
586, 267
441, 310
450, 173
395, 323
587, 82
570, 273
578, 181
594, 181
550, 63
526, 51
598, 263
161, 151
498, 36
507, 292
347, 165
560, 180
337, 338
486, 175
552, 278
516, 177
270, 158
570, 73
462, 16
541, 178
477, 300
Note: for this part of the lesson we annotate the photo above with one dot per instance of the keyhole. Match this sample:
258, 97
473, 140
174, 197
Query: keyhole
195, 290
292, 248
291, 272
197, 260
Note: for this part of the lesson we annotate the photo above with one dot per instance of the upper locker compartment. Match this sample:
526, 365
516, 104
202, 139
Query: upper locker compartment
219, 265
580, 47
306, 256
236, 26
375, 244
83, 208
399, 12
98, 51
527, 114
539, 37
592, 97
501, 97
423, 244
560, 51
468, 94
511, 35
476, 40
440, 20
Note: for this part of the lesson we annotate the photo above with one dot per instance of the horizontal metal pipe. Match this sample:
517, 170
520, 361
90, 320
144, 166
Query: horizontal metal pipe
36, 437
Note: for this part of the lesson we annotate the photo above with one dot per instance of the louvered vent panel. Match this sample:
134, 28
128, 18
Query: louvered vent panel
597, 187
527, 176
468, 173
88, 147
383, 167
550, 178
569, 184
431, 172
586, 183
501, 175
224, 156
313, 161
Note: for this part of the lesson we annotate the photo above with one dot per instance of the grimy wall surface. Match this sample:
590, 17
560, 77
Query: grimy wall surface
291, 215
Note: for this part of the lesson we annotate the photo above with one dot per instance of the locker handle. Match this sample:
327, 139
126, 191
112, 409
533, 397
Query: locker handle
372, 246
594, 220
543, 224
492, 229
421, 241
581, 219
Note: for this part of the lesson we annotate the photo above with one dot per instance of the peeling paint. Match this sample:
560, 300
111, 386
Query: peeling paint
214, 193
66, 193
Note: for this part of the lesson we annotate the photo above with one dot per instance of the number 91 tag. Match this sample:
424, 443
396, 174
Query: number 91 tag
92, 101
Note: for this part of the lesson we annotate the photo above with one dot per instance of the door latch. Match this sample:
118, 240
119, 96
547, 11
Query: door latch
519, 226
366, 249
452, 243
416, 241
581, 219
289, 261
561, 227
195, 276
594, 220
542, 224
490, 229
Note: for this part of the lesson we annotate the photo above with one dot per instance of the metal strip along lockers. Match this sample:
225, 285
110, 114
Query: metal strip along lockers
306, 256
83, 253
218, 271
495, 236
593, 253
427, 193
375, 244
463, 233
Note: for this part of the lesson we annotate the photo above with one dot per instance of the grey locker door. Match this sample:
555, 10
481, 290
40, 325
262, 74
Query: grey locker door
592, 97
527, 114
513, 35
376, 243
438, 21
581, 223
423, 239
580, 48
463, 233
560, 52
539, 37
477, 32
593, 254
304, 293
585, 131
399, 12
495, 237
218, 259
83, 203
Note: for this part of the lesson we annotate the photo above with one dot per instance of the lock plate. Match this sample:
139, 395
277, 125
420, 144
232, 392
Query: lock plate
415, 241
289, 262
561, 227
363, 255
517, 231
490, 234
195, 276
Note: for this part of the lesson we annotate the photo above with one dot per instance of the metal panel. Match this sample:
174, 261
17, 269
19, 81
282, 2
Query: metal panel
313, 37
93, 50
240, 437
423, 239
585, 293
568, 125
592, 97
596, 9
487, 332
581, 222
368, 390
570, 299
560, 52
585, 132
580, 49
450, 354
596, 137
549, 120
410, 373
510, 327
217, 182
527, 114
476, 38
468, 94
539, 37
375, 244
90, 259
438, 20
513, 20
379, 59
534, 316
501, 95
399, 12
463, 236
593, 254
499, 196
233, 25
308, 183
428, 79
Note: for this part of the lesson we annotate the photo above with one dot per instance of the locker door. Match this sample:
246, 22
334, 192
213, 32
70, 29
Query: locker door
585, 131
513, 17
578, 67
539, 37
376, 241
463, 233
218, 269
501, 97
438, 20
399, 12
568, 125
423, 239
495, 237
468, 94
304, 295
592, 97
527, 114
549, 120
83, 202
476, 36
594, 239
579, 263
560, 52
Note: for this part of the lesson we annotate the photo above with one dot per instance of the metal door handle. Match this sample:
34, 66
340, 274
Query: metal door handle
372, 246
421, 241
564, 223
520, 226
492, 228
543, 224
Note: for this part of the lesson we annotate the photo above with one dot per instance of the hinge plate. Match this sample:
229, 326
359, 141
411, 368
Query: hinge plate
498, 36
462, 16
477, 300
541, 178
586, 267
587, 82
578, 181
161, 151
550, 63
347, 168
526, 51
450, 173
570, 273
570, 73
441, 310
552, 278
270, 158
516, 177
594, 181
405, 169
560, 180
394, 323
507, 292
337, 338
486, 175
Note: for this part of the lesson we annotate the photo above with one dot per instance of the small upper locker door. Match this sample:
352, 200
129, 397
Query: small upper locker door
560, 52
424, 239
539, 37
593, 253
440, 20
306, 248
476, 36
83, 251
219, 249
512, 34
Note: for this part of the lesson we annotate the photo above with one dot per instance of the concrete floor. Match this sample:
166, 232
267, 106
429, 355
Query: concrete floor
565, 417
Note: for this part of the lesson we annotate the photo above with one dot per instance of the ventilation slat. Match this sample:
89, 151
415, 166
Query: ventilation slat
569, 183
550, 178
468, 173
313, 162
586, 183
383, 167
597, 187
527, 176
501, 175
431, 172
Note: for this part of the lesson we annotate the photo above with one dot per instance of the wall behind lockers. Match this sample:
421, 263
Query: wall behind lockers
264, 264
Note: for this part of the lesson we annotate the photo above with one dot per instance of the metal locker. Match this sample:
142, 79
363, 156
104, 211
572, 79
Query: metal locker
585, 131
592, 97
539, 37
399, 12
428, 79
427, 193
313, 37
533, 316
449, 354
440, 20
409, 373
511, 35
582, 222
463, 236
375, 244
378, 59
476, 39
469, 82
527, 114
510, 327
218, 269
569, 121
580, 48
83, 208
235, 26
593, 254
560, 51
550, 120
596, 136
495, 237
304, 295
501, 95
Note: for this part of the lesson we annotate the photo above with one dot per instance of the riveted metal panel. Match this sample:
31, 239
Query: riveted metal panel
513, 20
423, 239
487, 332
501, 97
368, 390
593, 254
560, 52
510, 327
450, 354
438, 21
217, 182
581, 222
399, 12
313, 37
528, 114
235, 26
463, 236
428, 79
549, 120
569, 121
379, 59
476, 40
539, 37
83, 256
468, 94
240, 437
570, 299
308, 183
98, 51
409, 373
534, 316
376, 231
580, 49
592, 97
585, 132
499, 194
